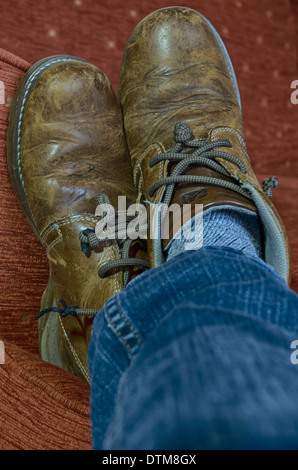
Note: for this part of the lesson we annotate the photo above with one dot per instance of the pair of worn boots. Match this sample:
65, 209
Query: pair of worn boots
174, 136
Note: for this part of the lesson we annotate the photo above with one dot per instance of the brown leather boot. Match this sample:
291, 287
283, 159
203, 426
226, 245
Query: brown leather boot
65, 147
176, 75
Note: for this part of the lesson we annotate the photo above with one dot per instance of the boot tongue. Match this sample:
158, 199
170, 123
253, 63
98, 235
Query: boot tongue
212, 195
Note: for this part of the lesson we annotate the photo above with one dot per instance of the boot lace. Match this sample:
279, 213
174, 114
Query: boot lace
89, 241
204, 154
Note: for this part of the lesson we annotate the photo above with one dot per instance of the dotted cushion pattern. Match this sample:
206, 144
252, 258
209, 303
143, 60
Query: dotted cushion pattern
261, 38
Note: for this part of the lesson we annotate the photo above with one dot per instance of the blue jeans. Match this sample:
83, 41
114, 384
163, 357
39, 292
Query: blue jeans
196, 354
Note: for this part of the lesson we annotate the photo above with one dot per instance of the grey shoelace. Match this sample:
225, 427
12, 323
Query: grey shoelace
90, 241
189, 151
71, 310
204, 154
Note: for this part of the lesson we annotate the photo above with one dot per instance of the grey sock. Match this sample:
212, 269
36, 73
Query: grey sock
227, 226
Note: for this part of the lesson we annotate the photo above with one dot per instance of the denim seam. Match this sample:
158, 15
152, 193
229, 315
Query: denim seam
117, 331
128, 322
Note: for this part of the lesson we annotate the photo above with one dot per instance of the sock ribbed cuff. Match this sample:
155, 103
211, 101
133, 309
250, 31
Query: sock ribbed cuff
232, 227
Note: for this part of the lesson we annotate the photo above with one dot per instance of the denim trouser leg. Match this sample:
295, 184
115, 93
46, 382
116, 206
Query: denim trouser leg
196, 354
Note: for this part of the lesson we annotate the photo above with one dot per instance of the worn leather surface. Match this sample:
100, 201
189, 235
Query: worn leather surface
72, 149
263, 50
174, 69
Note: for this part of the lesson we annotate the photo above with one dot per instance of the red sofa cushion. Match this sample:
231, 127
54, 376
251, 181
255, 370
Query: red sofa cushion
261, 37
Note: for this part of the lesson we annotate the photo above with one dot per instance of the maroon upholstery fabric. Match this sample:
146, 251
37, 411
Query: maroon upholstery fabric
41, 407
261, 37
